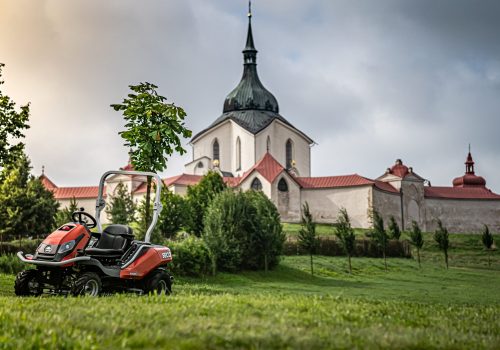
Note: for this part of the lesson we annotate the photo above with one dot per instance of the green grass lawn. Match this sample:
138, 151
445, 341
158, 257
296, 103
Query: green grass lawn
405, 307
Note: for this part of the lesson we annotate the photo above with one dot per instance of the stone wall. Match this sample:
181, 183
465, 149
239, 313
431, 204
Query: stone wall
387, 204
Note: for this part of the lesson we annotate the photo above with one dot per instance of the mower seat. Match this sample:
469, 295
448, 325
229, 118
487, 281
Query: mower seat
114, 241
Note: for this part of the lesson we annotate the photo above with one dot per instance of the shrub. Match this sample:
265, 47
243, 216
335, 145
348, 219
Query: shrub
191, 257
393, 228
379, 235
416, 239
243, 230
442, 238
11, 264
26, 245
173, 215
307, 234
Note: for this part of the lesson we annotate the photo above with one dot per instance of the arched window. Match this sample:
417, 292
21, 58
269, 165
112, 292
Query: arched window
216, 151
256, 185
238, 154
200, 165
282, 185
289, 153
268, 144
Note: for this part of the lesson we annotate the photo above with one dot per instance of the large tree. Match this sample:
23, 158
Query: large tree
199, 198
12, 124
153, 131
345, 234
307, 234
26, 207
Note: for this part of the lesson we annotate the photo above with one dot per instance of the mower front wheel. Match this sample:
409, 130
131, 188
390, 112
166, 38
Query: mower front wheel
87, 284
159, 282
27, 284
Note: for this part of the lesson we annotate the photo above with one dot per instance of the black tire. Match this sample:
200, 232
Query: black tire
87, 284
27, 284
159, 283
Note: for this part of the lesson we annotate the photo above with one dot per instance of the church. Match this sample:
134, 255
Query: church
253, 147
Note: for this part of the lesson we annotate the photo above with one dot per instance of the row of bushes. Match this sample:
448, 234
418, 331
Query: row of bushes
329, 246
11, 264
25, 245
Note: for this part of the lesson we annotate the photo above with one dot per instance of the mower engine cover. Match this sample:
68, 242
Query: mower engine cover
64, 243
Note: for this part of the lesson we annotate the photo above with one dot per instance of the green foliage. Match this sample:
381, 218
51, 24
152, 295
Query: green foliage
345, 235
442, 239
199, 198
266, 242
191, 257
487, 239
26, 207
11, 264
379, 235
173, 216
140, 226
393, 228
121, 209
64, 215
307, 234
416, 238
153, 131
12, 124
243, 231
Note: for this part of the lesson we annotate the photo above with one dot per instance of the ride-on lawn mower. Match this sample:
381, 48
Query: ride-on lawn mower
74, 260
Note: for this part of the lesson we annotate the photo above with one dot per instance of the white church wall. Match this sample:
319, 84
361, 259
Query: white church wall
247, 183
204, 145
194, 167
288, 203
461, 215
387, 205
88, 205
326, 203
279, 134
247, 142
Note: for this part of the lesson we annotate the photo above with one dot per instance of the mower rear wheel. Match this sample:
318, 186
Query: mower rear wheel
159, 283
27, 284
87, 284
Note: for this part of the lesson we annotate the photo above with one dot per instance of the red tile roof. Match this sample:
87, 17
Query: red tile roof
77, 192
460, 193
267, 166
385, 186
47, 183
333, 181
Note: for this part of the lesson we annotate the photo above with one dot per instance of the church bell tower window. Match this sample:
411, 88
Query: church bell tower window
216, 150
289, 154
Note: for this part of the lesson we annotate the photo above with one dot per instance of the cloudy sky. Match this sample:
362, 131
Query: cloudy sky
369, 81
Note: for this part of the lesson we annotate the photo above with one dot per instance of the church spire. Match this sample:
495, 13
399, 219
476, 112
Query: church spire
250, 53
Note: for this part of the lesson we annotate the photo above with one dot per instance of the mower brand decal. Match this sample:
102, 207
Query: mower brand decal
48, 249
166, 255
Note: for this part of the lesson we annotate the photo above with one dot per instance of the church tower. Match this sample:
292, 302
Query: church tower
250, 127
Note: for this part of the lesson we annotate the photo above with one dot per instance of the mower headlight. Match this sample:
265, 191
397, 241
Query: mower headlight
65, 247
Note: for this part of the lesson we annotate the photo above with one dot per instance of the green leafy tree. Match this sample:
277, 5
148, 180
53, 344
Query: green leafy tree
153, 131
416, 239
307, 234
199, 198
442, 238
393, 228
379, 235
64, 215
268, 237
487, 239
121, 209
140, 225
12, 124
26, 207
345, 235
173, 215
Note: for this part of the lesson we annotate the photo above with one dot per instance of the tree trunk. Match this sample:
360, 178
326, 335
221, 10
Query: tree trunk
312, 270
265, 263
489, 258
148, 200
385, 260
418, 258
350, 266
1, 243
446, 258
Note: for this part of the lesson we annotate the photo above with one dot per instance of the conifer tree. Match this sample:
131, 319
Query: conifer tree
121, 209
64, 215
487, 239
442, 238
416, 239
345, 234
173, 215
394, 231
379, 235
307, 234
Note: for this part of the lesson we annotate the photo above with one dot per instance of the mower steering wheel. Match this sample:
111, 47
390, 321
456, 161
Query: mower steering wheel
78, 216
